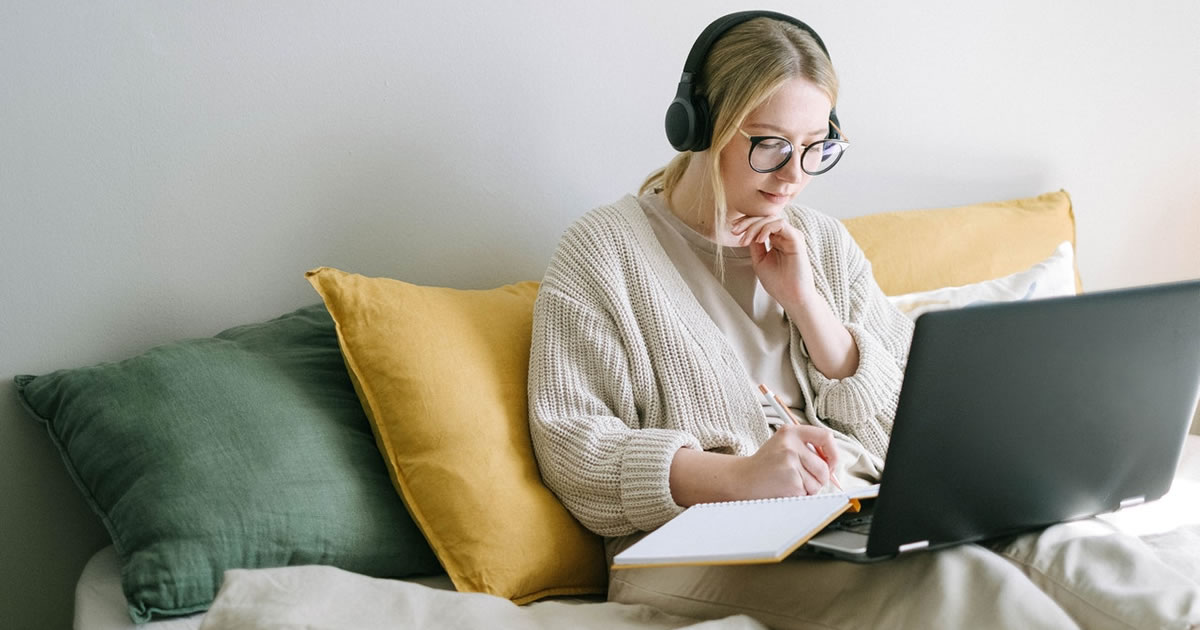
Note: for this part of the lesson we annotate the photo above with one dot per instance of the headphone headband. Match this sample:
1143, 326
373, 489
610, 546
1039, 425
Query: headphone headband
688, 118
714, 31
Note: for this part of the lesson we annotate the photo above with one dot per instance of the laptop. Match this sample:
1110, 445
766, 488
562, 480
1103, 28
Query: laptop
1014, 416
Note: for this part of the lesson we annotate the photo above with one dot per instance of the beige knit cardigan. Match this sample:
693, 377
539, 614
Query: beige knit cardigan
626, 366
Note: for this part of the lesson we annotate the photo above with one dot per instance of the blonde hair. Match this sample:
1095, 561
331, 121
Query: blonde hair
743, 69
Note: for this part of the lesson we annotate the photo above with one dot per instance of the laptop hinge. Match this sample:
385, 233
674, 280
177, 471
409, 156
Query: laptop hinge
1132, 501
913, 546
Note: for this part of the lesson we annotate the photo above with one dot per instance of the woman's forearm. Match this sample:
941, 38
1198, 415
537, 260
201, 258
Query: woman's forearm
702, 477
831, 347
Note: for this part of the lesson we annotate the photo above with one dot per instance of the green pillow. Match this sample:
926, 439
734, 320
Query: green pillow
246, 450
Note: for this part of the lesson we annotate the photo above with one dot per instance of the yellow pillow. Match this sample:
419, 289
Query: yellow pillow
921, 250
442, 376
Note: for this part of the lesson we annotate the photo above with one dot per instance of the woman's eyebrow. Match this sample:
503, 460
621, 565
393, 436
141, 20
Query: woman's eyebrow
783, 132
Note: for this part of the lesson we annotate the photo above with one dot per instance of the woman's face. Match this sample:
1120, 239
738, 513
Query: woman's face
798, 111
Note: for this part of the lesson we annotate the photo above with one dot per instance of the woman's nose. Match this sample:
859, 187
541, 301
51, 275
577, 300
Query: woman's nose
791, 172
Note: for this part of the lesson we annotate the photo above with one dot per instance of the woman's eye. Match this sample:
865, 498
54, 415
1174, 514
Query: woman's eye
774, 144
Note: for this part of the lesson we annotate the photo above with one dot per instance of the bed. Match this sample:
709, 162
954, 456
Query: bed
303, 470
1171, 526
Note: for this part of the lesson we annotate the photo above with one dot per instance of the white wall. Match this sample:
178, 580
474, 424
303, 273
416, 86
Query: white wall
172, 169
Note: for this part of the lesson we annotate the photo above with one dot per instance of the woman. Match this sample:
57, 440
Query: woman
658, 315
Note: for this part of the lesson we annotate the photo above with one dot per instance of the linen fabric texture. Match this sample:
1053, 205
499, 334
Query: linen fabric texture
922, 250
442, 374
249, 449
1071, 576
326, 598
1052, 277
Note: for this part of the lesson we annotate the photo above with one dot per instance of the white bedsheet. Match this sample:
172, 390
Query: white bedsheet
100, 604
324, 597
330, 598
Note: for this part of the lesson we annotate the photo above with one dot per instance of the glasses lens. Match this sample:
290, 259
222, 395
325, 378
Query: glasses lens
821, 156
769, 154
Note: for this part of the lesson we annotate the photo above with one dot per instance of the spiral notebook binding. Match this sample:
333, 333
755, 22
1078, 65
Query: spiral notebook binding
770, 500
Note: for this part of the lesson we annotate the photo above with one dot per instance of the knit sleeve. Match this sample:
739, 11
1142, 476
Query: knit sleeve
611, 474
863, 404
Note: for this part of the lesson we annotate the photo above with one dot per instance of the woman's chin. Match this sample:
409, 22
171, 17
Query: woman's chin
763, 206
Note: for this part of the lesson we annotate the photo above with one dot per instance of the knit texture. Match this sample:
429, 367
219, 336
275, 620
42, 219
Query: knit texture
626, 367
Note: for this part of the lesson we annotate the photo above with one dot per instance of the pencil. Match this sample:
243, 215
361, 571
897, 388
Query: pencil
786, 415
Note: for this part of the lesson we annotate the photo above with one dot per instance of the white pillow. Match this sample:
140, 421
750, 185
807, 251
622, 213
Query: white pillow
1052, 277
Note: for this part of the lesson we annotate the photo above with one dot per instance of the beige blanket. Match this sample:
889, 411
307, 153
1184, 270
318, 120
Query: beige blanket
326, 598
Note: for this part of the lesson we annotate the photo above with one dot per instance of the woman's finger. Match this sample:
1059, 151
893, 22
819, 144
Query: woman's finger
816, 468
828, 452
825, 447
765, 233
762, 229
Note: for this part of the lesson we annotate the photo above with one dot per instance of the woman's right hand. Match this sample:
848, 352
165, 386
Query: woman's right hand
786, 466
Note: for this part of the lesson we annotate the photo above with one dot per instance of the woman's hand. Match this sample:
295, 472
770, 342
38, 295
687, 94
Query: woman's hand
785, 271
787, 275
784, 466
787, 466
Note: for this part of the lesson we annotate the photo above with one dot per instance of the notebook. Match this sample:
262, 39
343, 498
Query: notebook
740, 532
1011, 417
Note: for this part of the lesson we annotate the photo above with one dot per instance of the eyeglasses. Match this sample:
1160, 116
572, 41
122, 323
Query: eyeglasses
771, 153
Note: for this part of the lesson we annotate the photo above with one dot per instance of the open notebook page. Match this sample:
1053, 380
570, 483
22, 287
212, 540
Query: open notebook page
736, 532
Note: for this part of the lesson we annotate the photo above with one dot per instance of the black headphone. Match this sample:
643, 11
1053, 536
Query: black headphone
689, 121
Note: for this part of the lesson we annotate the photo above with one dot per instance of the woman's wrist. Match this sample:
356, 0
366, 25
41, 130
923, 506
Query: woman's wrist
703, 477
806, 307
800, 303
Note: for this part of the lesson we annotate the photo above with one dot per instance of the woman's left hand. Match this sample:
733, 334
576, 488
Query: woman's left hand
785, 271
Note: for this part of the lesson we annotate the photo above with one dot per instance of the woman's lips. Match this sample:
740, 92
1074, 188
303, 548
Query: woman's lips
772, 197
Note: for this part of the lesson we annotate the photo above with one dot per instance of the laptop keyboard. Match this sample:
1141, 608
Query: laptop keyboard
860, 525
857, 522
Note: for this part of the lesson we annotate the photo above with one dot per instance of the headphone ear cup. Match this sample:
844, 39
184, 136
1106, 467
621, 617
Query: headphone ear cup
703, 138
681, 124
687, 124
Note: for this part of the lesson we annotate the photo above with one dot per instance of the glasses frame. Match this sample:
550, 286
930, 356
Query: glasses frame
755, 140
